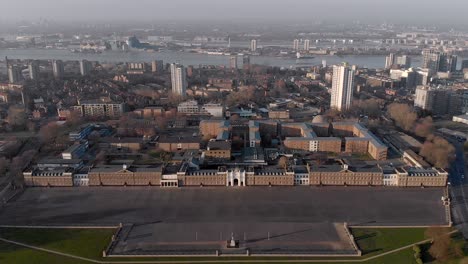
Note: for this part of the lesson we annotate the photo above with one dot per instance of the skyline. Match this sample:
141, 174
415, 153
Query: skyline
397, 11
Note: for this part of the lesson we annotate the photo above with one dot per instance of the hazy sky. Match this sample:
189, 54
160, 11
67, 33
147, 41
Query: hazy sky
432, 11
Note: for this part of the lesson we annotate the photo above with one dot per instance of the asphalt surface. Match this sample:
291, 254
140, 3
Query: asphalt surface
142, 205
458, 189
207, 238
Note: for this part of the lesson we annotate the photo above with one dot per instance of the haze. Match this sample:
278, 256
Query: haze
395, 11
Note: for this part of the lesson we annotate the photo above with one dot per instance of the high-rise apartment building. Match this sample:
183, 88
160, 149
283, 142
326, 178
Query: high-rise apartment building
296, 45
437, 100
233, 62
157, 66
246, 62
178, 79
342, 87
85, 67
403, 61
253, 45
58, 69
307, 45
389, 61
33, 68
448, 63
464, 64
14, 74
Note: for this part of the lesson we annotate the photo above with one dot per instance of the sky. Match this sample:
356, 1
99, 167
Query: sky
393, 11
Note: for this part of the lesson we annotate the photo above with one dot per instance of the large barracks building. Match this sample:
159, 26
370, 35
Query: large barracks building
236, 155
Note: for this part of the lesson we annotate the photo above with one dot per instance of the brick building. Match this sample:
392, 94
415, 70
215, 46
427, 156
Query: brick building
116, 175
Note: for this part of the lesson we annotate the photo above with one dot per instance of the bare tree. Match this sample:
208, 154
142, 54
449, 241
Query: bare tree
4, 163
424, 127
16, 116
174, 99
283, 162
100, 157
441, 240
49, 133
18, 164
403, 115
369, 107
438, 151
74, 119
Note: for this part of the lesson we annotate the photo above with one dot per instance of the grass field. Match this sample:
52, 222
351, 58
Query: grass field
90, 243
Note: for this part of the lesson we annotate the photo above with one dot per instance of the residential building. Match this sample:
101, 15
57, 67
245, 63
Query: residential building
438, 61
34, 70
464, 65
188, 107
389, 61
253, 45
178, 143
431, 60
14, 74
307, 45
85, 67
342, 87
215, 110
100, 109
157, 66
58, 69
403, 61
246, 62
233, 62
296, 45
178, 79
218, 150
136, 68
433, 99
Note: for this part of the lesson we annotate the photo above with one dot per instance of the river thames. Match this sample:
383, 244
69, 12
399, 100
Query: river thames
187, 58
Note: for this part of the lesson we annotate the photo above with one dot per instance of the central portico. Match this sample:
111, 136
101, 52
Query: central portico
235, 177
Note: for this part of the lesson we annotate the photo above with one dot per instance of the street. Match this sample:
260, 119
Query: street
458, 189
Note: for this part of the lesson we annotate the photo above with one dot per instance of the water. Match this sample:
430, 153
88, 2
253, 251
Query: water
186, 58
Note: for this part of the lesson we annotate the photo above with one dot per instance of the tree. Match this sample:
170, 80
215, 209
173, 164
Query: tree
283, 162
74, 119
100, 157
18, 164
403, 115
424, 127
332, 114
4, 163
437, 151
16, 116
440, 248
174, 99
49, 133
241, 97
369, 107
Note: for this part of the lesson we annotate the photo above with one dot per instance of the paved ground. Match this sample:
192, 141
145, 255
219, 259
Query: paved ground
459, 189
101, 206
207, 238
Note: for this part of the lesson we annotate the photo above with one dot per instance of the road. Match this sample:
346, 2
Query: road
458, 189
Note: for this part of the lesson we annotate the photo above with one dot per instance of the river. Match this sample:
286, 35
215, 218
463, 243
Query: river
187, 58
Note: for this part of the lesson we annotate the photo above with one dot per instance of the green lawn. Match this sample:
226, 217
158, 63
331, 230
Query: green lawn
87, 243
373, 241
11, 254
90, 243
